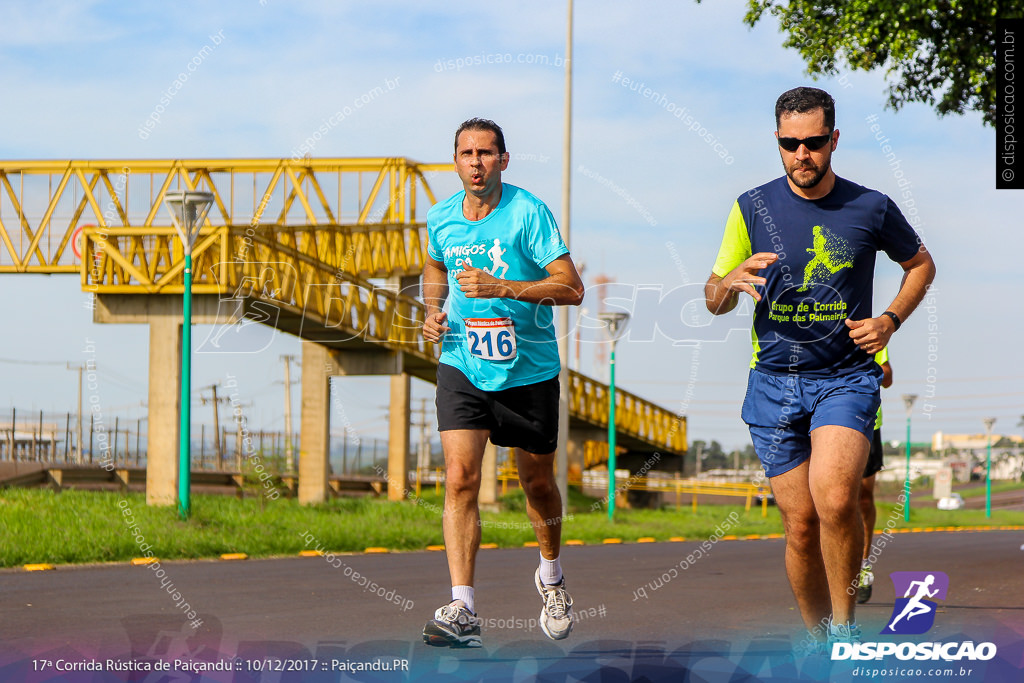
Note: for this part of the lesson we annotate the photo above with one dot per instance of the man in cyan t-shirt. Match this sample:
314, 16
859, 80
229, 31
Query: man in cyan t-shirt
803, 246
498, 372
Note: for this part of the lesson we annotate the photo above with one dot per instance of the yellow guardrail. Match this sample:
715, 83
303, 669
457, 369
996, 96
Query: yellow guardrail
677, 485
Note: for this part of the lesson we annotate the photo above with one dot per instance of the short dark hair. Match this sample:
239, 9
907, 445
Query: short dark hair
482, 124
802, 100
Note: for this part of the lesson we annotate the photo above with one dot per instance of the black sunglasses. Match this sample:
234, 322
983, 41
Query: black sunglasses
812, 143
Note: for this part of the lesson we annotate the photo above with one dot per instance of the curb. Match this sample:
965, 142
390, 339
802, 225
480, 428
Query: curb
143, 561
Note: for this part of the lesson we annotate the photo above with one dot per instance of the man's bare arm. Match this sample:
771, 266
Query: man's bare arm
872, 334
435, 292
918, 273
562, 286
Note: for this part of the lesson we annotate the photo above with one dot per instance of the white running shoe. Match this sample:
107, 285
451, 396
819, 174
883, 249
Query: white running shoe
556, 617
453, 626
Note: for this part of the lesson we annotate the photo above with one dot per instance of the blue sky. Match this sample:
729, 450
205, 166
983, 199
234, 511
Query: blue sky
649, 202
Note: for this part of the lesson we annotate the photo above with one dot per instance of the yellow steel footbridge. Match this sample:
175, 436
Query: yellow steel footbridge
327, 249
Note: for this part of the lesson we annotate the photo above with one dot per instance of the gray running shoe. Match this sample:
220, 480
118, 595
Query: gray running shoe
556, 617
453, 626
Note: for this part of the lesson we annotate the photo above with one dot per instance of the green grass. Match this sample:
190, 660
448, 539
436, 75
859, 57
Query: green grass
79, 526
925, 514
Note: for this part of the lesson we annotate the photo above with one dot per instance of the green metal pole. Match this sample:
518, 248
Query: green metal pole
184, 473
611, 437
988, 478
906, 484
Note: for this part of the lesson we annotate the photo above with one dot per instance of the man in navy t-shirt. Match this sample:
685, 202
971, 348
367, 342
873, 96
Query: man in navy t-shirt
803, 246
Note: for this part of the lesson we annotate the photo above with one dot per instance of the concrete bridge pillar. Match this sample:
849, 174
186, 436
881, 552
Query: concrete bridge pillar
398, 437
163, 313
162, 452
400, 411
577, 437
315, 418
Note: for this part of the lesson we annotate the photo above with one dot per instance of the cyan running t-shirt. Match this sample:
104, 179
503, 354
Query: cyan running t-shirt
498, 343
824, 273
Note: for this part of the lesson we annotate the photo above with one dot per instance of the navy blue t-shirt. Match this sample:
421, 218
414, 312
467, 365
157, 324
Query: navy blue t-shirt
824, 273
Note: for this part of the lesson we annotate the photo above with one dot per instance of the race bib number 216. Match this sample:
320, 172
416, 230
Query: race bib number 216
491, 339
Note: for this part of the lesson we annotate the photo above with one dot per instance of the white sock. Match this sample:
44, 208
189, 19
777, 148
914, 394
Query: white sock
550, 571
464, 593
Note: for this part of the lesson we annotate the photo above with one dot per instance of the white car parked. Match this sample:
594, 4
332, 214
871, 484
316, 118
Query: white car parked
953, 502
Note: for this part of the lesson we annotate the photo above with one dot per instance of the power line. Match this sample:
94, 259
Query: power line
34, 362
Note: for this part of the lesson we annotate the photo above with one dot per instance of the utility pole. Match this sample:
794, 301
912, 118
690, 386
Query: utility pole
562, 454
216, 422
423, 452
289, 454
424, 438
240, 423
79, 457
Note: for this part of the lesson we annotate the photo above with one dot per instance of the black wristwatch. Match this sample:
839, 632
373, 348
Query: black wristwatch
895, 319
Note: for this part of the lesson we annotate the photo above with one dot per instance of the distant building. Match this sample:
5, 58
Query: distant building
31, 441
970, 442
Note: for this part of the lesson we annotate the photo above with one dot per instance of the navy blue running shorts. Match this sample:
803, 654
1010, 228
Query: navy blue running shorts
782, 411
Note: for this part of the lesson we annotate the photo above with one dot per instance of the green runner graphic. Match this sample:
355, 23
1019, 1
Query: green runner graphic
831, 254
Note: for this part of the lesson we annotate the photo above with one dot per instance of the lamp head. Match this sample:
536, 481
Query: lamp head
615, 323
188, 210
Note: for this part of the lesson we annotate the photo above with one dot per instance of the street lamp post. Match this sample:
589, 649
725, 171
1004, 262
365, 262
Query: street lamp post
615, 325
562, 452
188, 211
989, 421
908, 401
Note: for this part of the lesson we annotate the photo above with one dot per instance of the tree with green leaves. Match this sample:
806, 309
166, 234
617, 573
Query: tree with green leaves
937, 52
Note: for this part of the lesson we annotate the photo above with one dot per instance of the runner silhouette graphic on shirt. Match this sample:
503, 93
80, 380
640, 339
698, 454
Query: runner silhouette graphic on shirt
495, 253
915, 607
828, 251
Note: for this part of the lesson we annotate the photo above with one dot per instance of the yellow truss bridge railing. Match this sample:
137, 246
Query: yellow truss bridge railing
304, 237
597, 479
48, 207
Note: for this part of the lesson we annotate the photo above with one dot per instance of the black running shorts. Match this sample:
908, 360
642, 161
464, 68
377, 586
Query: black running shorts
874, 455
521, 417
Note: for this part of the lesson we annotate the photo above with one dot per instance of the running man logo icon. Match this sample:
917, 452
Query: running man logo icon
914, 613
497, 262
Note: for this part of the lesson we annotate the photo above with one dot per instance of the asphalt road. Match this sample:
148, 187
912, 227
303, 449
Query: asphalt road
729, 615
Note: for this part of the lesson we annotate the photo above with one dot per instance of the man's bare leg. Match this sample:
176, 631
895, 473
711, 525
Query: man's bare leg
544, 508
463, 456
543, 501
805, 566
838, 458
